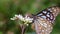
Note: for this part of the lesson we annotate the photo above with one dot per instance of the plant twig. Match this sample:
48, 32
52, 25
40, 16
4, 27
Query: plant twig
23, 28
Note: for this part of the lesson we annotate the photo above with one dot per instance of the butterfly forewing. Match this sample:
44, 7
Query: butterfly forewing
44, 21
49, 13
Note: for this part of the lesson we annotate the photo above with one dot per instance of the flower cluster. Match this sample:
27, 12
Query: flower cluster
25, 19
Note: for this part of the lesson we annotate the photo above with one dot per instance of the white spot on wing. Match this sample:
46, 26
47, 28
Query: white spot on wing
43, 17
45, 12
49, 9
48, 15
51, 17
40, 14
42, 30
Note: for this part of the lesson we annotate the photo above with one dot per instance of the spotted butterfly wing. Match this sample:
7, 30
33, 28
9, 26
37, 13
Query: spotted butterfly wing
44, 20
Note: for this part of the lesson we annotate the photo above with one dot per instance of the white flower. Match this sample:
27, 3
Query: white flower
28, 19
14, 18
25, 19
20, 17
27, 24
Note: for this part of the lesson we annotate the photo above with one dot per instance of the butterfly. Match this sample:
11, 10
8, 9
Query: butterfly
44, 20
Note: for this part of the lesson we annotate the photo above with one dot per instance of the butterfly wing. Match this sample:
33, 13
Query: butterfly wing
49, 13
42, 26
44, 21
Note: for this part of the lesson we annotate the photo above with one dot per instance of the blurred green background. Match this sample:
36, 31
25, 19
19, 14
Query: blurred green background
8, 8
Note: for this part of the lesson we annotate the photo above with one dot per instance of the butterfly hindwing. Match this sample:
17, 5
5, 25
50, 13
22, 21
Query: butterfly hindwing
42, 26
